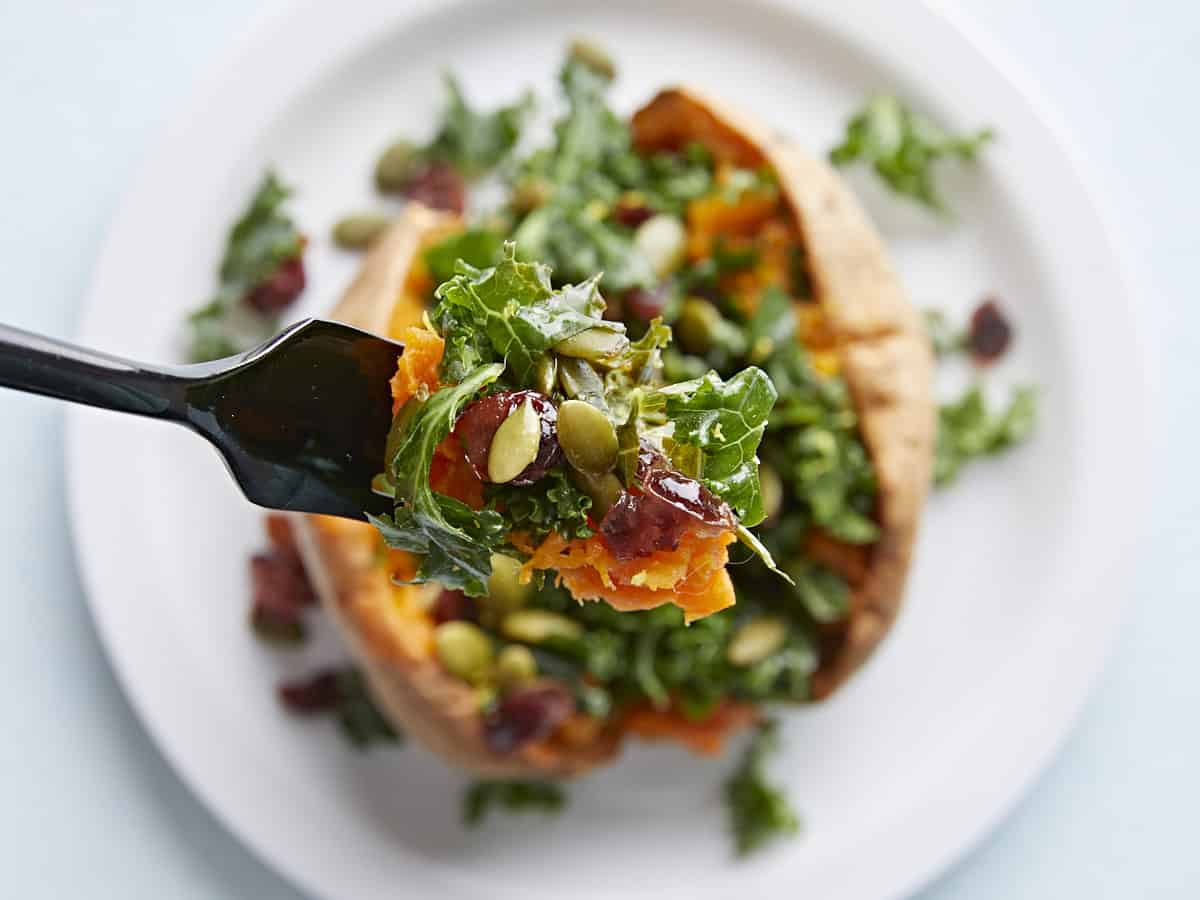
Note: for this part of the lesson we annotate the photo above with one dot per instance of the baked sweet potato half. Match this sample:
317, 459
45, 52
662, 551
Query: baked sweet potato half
855, 325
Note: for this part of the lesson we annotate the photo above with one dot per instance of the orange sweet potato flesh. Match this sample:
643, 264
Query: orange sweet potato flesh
692, 576
705, 736
417, 370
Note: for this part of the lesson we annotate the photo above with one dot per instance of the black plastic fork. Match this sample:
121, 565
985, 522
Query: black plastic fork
301, 421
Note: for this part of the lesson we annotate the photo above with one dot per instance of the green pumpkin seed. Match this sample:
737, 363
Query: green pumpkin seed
505, 591
587, 438
545, 373
515, 444
604, 490
357, 232
756, 640
532, 626
515, 665
662, 239
771, 487
580, 381
698, 324
531, 192
464, 650
593, 56
598, 345
396, 166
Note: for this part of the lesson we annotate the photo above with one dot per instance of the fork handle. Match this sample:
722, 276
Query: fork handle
41, 365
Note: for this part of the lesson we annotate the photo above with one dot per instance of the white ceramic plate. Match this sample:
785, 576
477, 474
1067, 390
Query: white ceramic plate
1022, 569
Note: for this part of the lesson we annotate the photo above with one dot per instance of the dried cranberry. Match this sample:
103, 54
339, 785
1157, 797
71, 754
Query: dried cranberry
638, 525
688, 496
669, 506
318, 693
280, 588
451, 606
989, 334
279, 583
280, 288
526, 714
477, 426
614, 309
438, 185
631, 212
645, 304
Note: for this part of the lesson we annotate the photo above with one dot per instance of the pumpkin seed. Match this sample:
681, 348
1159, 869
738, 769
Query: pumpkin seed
515, 665
532, 626
358, 231
464, 650
756, 640
662, 239
598, 345
771, 487
545, 373
515, 444
531, 192
697, 326
505, 591
604, 490
580, 381
396, 166
587, 438
593, 56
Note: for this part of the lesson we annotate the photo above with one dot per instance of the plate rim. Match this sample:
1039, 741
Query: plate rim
221, 72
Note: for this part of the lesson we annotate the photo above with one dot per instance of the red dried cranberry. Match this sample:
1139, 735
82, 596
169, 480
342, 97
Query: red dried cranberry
989, 334
279, 583
645, 304
438, 185
614, 309
631, 213
477, 426
318, 693
638, 525
669, 506
526, 714
280, 288
451, 606
688, 496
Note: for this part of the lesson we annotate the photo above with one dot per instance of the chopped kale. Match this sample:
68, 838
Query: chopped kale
512, 796
454, 541
244, 310
902, 147
968, 430
473, 141
758, 811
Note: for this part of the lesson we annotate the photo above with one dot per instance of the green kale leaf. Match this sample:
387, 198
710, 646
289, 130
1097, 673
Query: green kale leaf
967, 430
262, 239
725, 420
514, 306
513, 796
477, 247
902, 147
552, 503
475, 141
454, 541
358, 717
814, 444
942, 335
758, 811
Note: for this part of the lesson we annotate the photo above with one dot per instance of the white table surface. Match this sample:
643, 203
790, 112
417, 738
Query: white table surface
90, 809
